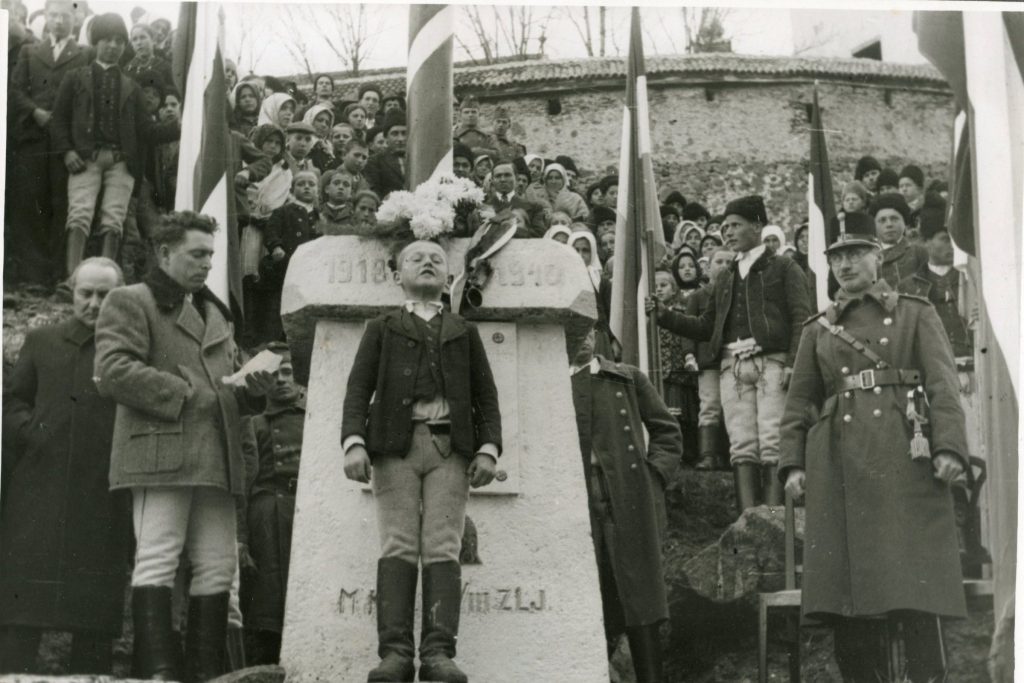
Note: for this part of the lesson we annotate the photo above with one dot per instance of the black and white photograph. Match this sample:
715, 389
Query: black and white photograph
532, 343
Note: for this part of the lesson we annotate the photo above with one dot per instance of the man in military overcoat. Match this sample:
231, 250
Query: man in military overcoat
880, 545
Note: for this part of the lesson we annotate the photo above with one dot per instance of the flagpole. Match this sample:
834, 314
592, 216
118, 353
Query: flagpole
654, 369
429, 90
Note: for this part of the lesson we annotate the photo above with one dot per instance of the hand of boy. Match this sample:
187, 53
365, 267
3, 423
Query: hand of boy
42, 117
74, 162
357, 464
277, 254
481, 470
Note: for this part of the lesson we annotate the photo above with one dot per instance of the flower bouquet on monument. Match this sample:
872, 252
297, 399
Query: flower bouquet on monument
441, 209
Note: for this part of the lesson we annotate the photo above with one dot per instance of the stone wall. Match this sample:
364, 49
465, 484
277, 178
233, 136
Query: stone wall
719, 141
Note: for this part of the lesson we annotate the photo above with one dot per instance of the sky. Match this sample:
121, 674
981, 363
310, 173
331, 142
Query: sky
255, 35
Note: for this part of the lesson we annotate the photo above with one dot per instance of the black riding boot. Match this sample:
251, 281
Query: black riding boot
774, 492
396, 605
645, 648
861, 650
442, 599
154, 656
747, 476
707, 440
234, 650
206, 637
924, 647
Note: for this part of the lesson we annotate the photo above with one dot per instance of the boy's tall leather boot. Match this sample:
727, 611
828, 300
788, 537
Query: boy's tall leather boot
707, 444
774, 493
645, 648
442, 600
206, 636
154, 654
747, 476
396, 605
111, 245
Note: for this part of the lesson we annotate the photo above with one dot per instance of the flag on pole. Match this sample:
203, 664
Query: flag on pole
205, 152
429, 90
639, 240
820, 207
981, 55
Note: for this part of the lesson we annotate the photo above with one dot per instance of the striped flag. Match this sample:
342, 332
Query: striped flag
820, 206
205, 152
981, 54
639, 240
429, 86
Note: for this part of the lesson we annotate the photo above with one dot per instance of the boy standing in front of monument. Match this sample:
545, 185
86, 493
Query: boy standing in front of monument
432, 431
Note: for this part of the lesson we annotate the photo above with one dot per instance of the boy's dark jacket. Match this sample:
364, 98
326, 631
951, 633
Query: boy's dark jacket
73, 124
777, 306
384, 368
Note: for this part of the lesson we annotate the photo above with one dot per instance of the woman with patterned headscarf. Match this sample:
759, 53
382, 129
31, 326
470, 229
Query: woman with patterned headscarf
245, 100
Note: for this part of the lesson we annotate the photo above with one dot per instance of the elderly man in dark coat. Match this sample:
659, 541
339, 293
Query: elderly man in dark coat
163, 349
880, 541
63, 536
626, 483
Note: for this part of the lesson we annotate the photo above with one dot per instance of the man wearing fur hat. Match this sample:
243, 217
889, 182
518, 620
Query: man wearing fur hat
385, 172
880, 540
753, 323
899, 259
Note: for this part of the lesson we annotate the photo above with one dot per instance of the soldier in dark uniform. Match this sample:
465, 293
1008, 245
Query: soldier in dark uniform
271, 447
468, 131
880, 543
899, 258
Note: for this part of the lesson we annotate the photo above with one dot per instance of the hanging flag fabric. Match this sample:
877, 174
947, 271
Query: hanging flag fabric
639, 239
429, 85
821, 207
981, 55
205, 153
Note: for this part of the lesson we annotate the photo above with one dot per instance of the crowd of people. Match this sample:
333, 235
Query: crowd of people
92, 161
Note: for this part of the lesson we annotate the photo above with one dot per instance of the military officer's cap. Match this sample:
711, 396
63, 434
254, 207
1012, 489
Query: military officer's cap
856, 229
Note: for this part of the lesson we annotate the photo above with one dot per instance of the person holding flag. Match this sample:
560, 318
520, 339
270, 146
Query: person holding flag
753, 323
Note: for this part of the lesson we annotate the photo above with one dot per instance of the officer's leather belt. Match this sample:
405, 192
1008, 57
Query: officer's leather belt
869, 379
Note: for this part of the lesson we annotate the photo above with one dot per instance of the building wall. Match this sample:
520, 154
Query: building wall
750, 138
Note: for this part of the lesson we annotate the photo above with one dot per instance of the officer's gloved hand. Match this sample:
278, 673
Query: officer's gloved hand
947, 467
795, 483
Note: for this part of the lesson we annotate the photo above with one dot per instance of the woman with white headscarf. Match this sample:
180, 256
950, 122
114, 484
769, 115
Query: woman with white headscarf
321, 117
279, 109
558, 233
554, 194
586, 246
773, 237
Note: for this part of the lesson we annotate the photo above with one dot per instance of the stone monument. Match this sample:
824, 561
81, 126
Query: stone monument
531, 610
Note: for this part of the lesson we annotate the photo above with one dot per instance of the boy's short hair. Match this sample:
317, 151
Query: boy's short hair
143, 26
310, 172
400, 247
327, 177
370, 87
352, 144
171, 228
343, 124
366, 194
107, 26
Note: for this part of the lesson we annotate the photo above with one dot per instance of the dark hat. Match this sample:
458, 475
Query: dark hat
567, 163
667, 209
395, 117
591, 189
395, 98
462, 151
711, 236
750, 207
891, 200
932, 216
602, 214
716, 219
866, 165
694, 210
272, 84
519, 164
469, 101
300, 127
372, 133
152, 79
280, 348
264, 132
887, 178
856, 230
675, 197
106, 26
938, 186
608, 181
914, 173
370, 87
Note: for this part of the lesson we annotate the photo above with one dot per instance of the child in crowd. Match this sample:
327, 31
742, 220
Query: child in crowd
712, 440
245, 100
676, 353
277, 108
560, 218
321, 118
271, 445
429, 434
558, 233
683, 400
355, 115
289, 226
709, 243
586, 246
364, 207
301, 139
336, 217
341, 135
